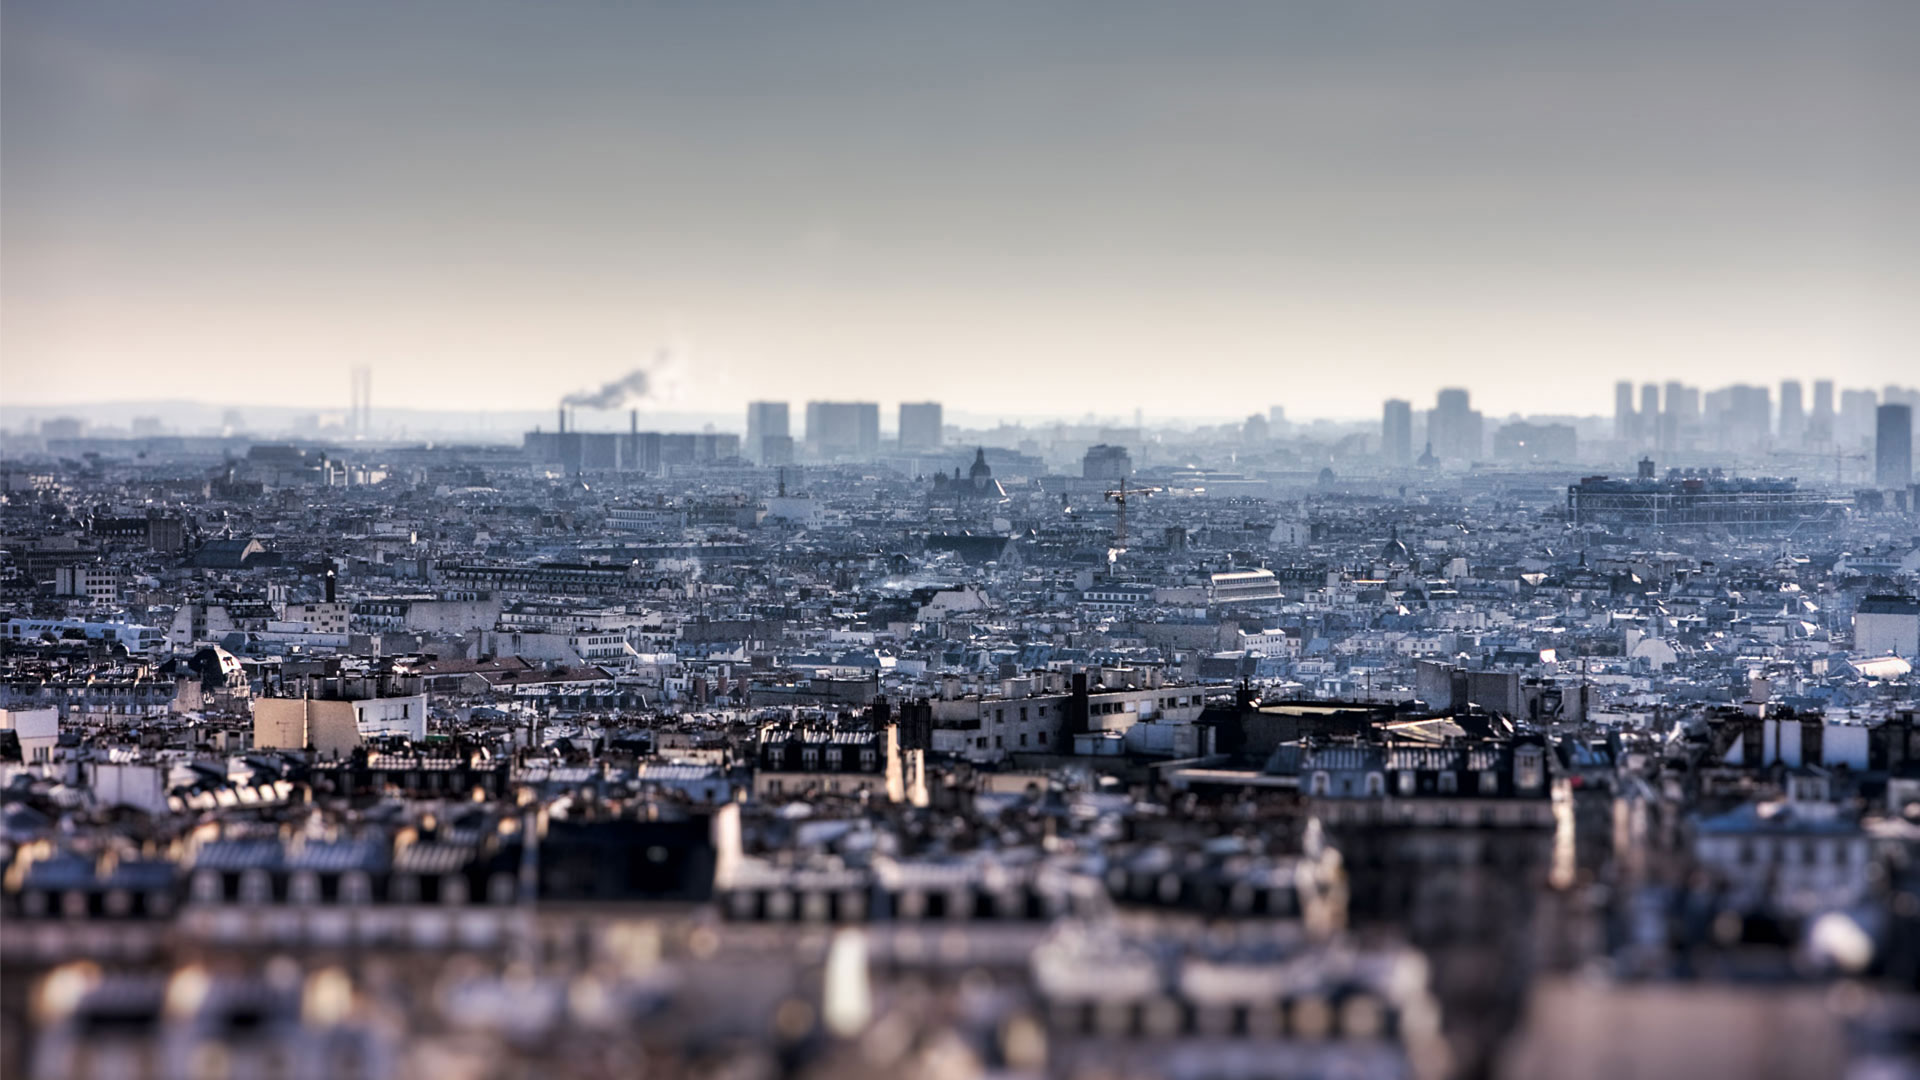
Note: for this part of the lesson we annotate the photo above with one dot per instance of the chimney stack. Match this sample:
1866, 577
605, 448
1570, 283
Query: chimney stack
633, 421
563, 419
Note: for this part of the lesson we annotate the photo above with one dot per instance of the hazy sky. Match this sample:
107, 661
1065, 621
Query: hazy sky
1027, 207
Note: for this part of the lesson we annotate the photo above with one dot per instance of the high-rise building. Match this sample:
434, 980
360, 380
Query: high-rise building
843, 428
766, 420
1104, 462
1646, 427
921, 426
1893, 446
1623, 410
1793, 416
1820, 423
1396, 434
1680, 419
1746, 419
1456, 430
1856, 421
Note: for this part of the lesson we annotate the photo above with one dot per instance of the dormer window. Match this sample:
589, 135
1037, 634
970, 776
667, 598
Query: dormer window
1528, 768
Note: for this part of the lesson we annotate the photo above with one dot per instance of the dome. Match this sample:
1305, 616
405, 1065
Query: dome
981, 470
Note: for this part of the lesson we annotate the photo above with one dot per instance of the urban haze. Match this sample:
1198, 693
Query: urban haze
1258, 541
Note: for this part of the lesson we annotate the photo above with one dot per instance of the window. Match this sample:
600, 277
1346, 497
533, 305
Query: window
1527, 764
1449, 782
1489, 782
304, 888
1376, 784
255, 887
1408, 781
1023, 738
1319, 783
1043, 738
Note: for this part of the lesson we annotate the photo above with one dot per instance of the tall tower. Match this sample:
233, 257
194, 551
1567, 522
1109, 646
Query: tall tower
1793, 415
1396, 434
1820, 424
1455, 428
1893, 446
765, 420
1623, 410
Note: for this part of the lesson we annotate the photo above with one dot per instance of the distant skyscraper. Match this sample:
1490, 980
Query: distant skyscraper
1746, 424
1646, 426
1623, 410
1681, 416
1456, 430
1396, 434
1856, 421
1793, 416
843, 428
1893, 446
921, 426
765, 420
1820, 423
1106, 462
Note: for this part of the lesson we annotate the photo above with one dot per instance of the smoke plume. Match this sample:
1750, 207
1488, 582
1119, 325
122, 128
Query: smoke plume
638, 387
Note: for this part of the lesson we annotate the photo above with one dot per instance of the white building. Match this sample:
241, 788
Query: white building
320, 618
96, 583
37, 729
137, 639
1887, 626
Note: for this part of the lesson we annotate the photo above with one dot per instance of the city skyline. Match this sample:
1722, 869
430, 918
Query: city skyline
886, 541
1784, 417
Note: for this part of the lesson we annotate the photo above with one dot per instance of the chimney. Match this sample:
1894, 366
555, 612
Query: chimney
633, 421
563, 419
330, 577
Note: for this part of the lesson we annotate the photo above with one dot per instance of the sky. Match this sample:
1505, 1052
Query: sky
1026, 208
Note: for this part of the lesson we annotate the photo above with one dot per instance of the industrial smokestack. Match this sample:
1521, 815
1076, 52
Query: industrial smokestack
633, 421
563, 419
